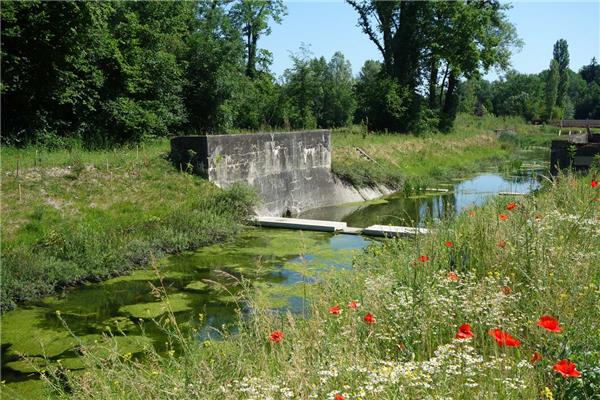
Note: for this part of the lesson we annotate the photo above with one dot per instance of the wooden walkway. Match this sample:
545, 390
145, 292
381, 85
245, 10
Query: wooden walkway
339, 227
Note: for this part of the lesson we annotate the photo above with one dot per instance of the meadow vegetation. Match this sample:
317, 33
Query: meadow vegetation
71, 216
413, 161
74, 215
394, 326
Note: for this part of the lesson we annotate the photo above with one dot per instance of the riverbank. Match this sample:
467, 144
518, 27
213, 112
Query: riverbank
411, 162
73, 216
394, 325
70, 217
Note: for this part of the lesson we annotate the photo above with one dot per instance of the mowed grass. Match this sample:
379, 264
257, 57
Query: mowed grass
75, 216
481, 269
413, 161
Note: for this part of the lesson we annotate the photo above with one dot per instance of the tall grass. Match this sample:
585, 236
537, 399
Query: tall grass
416, 160
479, 268
75, 216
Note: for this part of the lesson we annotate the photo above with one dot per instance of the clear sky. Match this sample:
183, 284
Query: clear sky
329, 26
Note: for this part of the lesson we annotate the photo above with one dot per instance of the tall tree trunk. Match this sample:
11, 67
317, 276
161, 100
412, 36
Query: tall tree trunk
433, 77
450, 107
251, 41
446, 70
407, 48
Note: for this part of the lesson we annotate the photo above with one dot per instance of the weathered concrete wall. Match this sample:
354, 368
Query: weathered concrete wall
577, 152
291, 171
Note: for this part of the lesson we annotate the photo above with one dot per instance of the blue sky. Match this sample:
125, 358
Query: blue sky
329, 26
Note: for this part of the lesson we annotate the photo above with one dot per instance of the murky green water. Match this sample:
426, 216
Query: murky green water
203, 282
280, 262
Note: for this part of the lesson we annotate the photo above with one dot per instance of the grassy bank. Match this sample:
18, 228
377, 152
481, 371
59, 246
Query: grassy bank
414, 161
489, 271
75, 216
70, 216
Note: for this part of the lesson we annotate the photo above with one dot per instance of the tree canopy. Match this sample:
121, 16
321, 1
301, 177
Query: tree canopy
106, 73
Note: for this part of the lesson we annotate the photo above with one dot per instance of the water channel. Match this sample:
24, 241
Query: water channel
279, 262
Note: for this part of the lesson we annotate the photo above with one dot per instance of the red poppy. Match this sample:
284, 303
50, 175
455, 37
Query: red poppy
452, 276
276, 336
354, 304
335, 310
535, 357
464, 332
506, 290
501, 244
339, 397
449, 243
369, 318
504, 338
423, 258
594, 183
567, 369
503, 217
549, 323
511, 206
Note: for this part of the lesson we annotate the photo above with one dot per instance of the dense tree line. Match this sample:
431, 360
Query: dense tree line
427, 47
105, 73
555, 93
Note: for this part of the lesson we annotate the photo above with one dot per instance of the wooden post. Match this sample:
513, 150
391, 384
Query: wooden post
589, 131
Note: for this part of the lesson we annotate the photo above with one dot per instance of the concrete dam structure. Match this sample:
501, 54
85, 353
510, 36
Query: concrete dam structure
291, 171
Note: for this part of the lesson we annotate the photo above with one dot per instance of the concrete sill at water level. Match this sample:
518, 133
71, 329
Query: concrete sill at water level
340, 227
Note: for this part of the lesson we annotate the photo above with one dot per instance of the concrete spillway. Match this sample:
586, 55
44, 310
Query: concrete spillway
291, 171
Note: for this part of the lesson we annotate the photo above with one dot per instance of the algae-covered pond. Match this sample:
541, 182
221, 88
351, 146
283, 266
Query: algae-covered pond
277, 263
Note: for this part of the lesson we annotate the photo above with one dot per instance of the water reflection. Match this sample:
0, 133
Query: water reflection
419, 209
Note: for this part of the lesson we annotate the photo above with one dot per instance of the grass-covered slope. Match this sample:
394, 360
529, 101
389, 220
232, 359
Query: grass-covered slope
73, 216
70, 216
500, 267
414, 160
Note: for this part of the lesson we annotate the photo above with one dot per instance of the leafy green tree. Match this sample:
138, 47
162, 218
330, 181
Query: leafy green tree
588, 107
418, 40
319, 93
104, 73
591, 73
253, 17
365, 91
519, 94
215, 68
585, 91
561, 55
300, 90
339, 102
551, 88
51, 82
144, 89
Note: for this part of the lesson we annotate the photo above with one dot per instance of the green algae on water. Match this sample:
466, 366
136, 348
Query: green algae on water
28, 333
196, 286
174, 303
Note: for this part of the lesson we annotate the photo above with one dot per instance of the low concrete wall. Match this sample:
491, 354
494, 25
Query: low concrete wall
291, 171
577, 152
